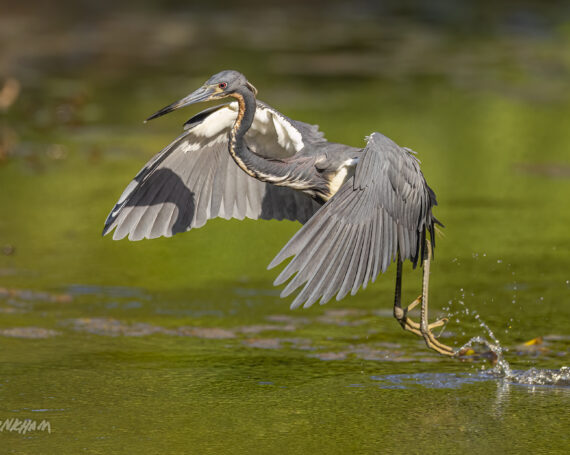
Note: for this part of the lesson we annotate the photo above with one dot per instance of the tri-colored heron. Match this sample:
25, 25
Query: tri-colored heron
362, 208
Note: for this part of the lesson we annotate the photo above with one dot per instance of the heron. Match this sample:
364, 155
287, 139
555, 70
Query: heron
361, 208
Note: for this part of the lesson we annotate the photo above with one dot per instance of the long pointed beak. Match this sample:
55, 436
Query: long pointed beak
202, 94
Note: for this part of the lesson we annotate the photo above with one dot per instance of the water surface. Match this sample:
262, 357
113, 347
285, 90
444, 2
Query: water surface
182, 345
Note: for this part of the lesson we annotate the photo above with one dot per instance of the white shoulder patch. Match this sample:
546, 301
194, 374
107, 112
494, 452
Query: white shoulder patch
270, 134
268, 121
217, 122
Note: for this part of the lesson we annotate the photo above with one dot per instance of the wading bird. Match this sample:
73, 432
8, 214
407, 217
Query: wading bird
361, 208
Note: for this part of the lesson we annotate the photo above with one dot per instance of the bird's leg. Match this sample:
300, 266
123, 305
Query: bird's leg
425, 328
400, 313
422, 329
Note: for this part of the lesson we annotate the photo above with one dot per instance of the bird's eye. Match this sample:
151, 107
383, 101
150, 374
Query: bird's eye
222, 85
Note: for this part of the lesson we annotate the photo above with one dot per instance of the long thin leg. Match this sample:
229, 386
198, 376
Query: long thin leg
425, 328
422, 329
400, 313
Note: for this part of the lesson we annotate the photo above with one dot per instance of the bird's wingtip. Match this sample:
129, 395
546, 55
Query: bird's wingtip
274, 263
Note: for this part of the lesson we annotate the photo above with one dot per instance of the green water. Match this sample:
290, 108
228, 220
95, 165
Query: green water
182, 345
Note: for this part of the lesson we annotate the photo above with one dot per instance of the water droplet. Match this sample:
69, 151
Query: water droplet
499, 261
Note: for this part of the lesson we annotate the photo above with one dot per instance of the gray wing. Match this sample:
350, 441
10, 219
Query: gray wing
384, 207
195, 179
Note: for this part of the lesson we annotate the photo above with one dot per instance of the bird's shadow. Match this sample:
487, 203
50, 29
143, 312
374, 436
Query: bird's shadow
165, 186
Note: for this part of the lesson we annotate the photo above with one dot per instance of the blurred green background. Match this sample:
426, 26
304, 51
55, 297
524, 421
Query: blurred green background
184, 339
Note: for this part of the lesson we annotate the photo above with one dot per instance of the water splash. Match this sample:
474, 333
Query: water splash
502, 369
534, 376
495, 352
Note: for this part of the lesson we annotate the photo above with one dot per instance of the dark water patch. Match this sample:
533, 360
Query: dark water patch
108, 291
256, 292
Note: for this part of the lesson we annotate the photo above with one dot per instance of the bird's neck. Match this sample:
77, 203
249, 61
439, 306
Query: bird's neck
252, 164
246, 114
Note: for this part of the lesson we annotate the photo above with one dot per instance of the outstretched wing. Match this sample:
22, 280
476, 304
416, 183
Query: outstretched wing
195, 179
384, 207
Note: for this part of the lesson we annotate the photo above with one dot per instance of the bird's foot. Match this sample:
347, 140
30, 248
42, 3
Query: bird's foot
423, 329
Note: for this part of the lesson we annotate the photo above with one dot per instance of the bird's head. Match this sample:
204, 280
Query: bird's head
221, 85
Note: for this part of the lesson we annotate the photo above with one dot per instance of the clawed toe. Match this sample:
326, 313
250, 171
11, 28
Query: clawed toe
426, 333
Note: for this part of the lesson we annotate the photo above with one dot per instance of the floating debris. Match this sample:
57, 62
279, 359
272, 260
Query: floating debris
331, 355
114, 327
550, 170
9, 93
8, 250
267, 328
24, 294
28, 332
534, 341
211, 333
263, 343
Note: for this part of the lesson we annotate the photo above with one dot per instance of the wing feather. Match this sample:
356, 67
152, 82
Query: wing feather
384, 208
195, 179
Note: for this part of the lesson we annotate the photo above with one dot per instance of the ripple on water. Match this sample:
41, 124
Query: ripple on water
532, 377
429, 380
